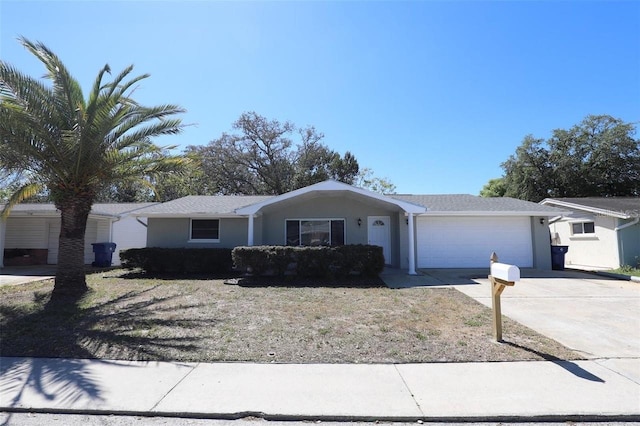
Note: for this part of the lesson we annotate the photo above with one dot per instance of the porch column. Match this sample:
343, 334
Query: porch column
412, 251
250, 231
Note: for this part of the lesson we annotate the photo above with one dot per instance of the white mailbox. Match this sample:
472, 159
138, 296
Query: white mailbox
505, 272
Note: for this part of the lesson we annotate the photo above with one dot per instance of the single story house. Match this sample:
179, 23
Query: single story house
415, 231
32, 232
601, 232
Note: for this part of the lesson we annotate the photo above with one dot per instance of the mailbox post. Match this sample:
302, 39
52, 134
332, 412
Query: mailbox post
501, 276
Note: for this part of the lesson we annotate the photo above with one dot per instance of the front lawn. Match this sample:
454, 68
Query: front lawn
135, 318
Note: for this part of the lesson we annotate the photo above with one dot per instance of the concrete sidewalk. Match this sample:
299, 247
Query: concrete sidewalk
501, 391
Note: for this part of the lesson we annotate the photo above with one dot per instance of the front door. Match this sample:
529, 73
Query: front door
380, 234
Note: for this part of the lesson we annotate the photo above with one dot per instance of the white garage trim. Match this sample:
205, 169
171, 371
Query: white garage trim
467, 242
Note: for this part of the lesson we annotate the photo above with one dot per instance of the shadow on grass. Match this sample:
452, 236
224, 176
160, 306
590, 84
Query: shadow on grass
296, 282
242, 280
76, 329
137, 274
570, 366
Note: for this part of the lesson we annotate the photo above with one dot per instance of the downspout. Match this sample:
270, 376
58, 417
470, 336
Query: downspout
111, 222
617, 229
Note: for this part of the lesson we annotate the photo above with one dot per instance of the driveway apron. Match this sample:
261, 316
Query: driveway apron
597, 317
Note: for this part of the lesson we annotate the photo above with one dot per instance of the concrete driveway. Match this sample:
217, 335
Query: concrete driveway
14, 275
596, 316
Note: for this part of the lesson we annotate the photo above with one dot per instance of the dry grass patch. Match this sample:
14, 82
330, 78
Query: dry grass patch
207, 320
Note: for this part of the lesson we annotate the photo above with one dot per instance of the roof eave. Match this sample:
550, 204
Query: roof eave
50, 214
23, 213
492, 213
594, 210
188, 215
104, 215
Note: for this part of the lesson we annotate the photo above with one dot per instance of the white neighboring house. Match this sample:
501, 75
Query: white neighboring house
601, 232
33, 230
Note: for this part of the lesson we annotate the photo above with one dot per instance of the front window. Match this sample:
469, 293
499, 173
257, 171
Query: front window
583, 228
315, 232
205, 230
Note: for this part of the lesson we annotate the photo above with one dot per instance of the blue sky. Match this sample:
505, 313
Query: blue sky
432, 95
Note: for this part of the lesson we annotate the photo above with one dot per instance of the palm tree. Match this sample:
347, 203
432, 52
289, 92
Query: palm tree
72, 148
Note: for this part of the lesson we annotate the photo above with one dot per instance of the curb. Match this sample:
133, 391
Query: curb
542, 418
623, 277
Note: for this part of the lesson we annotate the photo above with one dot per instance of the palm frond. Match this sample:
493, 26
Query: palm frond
146, 159
31, 116
24, 192
29, 94
115, 84
137, 132
93, 104
67, 89
75, 145
25, 140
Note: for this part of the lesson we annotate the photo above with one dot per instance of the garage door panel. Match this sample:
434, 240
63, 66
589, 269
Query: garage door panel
467, 242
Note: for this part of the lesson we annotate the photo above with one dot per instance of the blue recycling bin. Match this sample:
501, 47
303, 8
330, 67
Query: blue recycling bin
103, 253
557, 257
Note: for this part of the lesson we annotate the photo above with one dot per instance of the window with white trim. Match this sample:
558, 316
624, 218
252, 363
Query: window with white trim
580, 228
314, 232
205, 230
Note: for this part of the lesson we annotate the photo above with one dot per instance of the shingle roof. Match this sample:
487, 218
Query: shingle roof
33, 208
456, 203
624, 207
203, 204
117, 209
102, 209
471, 203
334, 188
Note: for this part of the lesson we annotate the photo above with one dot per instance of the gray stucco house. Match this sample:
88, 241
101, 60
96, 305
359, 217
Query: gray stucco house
415, 231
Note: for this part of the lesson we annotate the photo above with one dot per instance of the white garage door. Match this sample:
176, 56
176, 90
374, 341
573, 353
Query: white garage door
467, 242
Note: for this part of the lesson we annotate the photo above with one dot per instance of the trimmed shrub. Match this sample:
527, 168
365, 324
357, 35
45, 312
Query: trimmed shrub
157, 260
263, 260
312, 262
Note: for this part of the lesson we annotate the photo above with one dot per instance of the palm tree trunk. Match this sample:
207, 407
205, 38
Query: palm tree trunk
70, 274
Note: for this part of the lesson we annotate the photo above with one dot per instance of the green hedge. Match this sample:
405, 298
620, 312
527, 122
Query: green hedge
317, 262
178, 260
